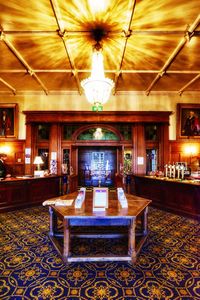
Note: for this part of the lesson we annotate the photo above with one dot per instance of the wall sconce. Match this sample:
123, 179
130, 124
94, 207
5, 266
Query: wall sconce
38, 161
5, 149
191, 151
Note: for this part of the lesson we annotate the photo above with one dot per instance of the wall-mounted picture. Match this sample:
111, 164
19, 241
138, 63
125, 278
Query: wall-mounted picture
188, 120
8, 120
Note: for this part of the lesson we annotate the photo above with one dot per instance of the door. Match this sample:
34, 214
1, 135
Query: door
97, 166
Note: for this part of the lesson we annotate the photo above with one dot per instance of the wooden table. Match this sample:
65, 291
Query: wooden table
112, 217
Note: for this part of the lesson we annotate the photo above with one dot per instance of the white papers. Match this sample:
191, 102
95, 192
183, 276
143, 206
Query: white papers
140, 160
48, 202
58, 202
99, 208
122, 198
27, 156
78, 202
100, 198
27, 160
28, 151
80, 198
54, 155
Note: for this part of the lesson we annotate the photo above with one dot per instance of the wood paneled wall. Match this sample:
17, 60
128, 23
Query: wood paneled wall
186, 151
172, 151
15, 152
177, 152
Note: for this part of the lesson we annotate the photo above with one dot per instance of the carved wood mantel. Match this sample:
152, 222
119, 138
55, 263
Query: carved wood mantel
97, 117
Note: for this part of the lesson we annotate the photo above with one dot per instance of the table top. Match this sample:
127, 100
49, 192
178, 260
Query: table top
136, 205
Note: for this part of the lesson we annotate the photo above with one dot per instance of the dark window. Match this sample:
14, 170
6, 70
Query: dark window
151, 132
68, 131
125, 131
43, 131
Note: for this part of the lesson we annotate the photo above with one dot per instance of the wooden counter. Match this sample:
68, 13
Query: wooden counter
181, 197
24, 192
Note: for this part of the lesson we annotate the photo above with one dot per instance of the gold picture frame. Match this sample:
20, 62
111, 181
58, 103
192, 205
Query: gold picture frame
188, 121
8, 120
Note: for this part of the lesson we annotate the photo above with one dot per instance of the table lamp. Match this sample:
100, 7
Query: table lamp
38, 161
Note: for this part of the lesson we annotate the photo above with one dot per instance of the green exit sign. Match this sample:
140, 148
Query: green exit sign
97, 108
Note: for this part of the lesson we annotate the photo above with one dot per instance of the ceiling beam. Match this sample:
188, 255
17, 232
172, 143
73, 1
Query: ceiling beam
62, 34
8, 85
22, 61
72, 65
187, 36
106, 71
188, 84
88, 32
127, 33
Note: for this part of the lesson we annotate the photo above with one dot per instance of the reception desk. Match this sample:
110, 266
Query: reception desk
181, 197
23, 192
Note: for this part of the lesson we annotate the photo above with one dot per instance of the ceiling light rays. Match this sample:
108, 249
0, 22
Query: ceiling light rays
148, 51
138, 39
35, 16
78, 15
164, 15
48, 52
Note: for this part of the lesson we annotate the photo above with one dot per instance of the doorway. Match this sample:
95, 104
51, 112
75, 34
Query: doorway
151, 160
97, 166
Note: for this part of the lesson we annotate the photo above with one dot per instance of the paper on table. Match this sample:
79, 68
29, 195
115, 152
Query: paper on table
60, 202
100, 199
99, 208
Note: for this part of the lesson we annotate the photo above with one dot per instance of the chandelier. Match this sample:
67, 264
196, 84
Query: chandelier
97, 87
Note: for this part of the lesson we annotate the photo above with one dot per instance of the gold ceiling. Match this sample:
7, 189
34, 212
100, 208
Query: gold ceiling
148, 45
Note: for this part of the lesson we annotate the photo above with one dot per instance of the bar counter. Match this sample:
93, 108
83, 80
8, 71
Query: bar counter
175, 195
23, 191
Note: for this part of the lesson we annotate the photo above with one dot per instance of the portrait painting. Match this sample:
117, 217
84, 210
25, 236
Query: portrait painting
8, 120
188, 120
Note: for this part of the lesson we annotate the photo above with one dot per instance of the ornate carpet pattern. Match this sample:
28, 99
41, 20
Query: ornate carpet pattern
168, 266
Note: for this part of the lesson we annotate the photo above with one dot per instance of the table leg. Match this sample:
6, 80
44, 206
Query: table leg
131, 241
66, 241
145, 224
53, 222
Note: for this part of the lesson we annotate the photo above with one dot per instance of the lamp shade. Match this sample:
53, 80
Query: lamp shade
38, 160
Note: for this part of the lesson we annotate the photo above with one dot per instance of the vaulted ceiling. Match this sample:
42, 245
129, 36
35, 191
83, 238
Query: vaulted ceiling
46, 45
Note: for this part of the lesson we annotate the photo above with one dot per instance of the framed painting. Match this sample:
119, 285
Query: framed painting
8, 120
188, 120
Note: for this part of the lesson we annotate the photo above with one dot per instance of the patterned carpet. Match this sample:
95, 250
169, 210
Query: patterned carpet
168, 266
